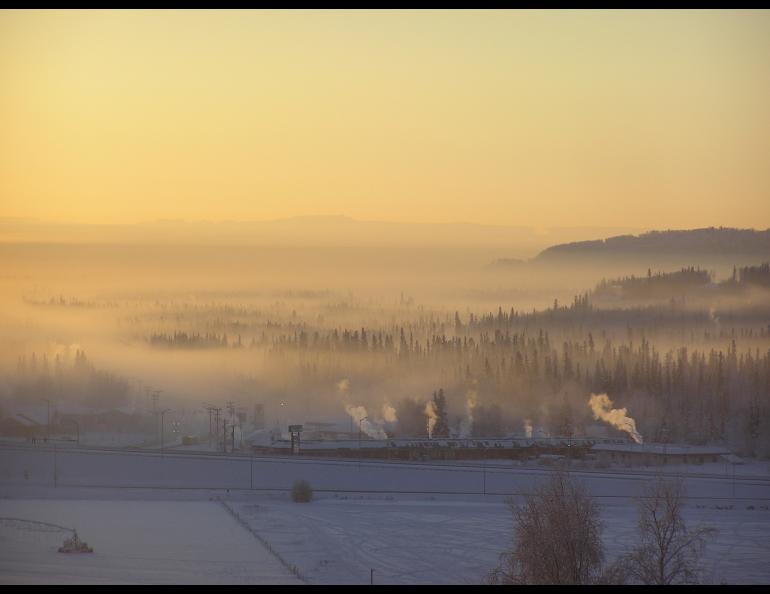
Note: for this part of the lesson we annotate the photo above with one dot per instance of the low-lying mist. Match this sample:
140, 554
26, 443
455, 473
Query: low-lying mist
421, 340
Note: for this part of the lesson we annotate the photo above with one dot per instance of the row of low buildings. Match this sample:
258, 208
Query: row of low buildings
324, 439
607, 451
36, 424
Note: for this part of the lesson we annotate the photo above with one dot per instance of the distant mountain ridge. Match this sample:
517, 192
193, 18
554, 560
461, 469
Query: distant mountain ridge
312, 230
710, 241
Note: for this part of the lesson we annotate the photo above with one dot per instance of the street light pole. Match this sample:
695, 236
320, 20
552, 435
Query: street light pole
359, 433
77, 426
163, 412
359, 440
48, 419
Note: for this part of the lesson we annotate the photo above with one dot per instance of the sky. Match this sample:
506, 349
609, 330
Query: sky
538, 118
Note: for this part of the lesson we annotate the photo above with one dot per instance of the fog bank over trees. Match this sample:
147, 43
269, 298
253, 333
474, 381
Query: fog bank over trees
510, 350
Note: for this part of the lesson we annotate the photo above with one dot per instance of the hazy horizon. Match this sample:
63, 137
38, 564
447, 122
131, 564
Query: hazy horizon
533, 118
323, 296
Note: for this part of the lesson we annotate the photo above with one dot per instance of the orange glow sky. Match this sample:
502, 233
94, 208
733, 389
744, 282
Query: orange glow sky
644, 119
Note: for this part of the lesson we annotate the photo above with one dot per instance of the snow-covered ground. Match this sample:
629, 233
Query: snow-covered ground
134, 542
49, 466
153, 518
440, 540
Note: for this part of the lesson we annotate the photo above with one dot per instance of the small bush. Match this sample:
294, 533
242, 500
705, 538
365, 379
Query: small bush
301, 492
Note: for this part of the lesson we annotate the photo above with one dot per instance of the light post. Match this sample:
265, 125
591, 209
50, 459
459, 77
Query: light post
77, 426
665, 435
359, 440
48, 419
163, 412
359, 433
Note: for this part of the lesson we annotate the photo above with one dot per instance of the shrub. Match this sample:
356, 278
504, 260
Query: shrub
669, 551
557, 538
301, 492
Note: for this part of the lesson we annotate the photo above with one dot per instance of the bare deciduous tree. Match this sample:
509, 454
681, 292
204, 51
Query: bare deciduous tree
557, 538
668, 551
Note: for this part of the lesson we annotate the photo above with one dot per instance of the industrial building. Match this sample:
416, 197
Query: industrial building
633, 454
603, 450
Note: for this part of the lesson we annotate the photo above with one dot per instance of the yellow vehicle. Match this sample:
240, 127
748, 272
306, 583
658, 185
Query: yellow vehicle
75, 545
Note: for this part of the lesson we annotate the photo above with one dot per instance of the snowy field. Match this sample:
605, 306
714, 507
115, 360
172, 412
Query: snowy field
185, 518
73, 467
174, 542
444, 541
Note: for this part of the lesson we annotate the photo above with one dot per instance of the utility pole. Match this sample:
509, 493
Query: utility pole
77, 426
359, 433
213, 427
163, 412
48, 419
155, 400
224, 435
231, 410
371, 577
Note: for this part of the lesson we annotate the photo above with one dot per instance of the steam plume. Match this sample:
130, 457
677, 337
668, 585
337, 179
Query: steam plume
389, 413
368, 426
430, 411
466, 426
714, 318
527, 427
343, 385
601, 405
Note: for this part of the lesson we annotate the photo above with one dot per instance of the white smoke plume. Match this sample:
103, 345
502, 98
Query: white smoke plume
466, 425
601, 405
715, 319
389, 413
361, 419
430, 411
369, 426
343, 386
527, 427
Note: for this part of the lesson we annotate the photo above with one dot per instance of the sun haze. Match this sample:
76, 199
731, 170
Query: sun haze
508, 117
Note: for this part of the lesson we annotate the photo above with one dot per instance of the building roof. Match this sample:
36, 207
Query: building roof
27, 421
661, 449
17, 422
